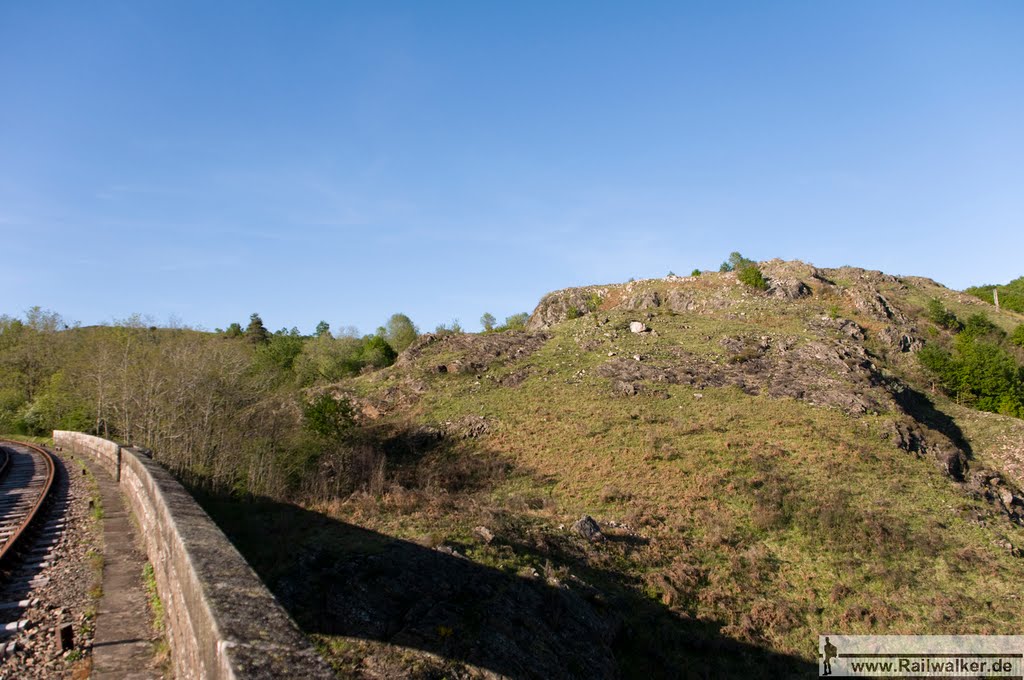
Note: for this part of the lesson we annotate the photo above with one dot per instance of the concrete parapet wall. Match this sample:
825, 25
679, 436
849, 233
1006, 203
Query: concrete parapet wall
221, 620
106, 453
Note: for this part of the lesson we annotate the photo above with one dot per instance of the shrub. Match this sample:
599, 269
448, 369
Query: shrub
941, 316
448, 329
979, 373
328, 417
515, 322
1017, 337
279, 350
695, 272
752, 276
978, 325
326, 358
377, 352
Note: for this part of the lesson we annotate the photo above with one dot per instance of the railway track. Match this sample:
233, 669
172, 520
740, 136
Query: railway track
32, 503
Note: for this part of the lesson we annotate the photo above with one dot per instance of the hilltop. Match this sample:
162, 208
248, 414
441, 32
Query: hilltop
763, 466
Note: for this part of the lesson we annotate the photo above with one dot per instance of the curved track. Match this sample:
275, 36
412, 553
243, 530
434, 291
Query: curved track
28, 477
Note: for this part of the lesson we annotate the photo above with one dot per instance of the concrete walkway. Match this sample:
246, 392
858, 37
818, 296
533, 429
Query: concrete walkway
121, 646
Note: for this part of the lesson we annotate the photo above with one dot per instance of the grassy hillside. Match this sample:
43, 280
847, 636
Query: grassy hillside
766, 466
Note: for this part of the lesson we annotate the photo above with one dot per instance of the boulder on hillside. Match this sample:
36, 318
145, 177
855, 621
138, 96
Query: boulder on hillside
788, 289
638, 327
589, 529
483, 534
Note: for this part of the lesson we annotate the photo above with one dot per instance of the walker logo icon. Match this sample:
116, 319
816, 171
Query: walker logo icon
921, 656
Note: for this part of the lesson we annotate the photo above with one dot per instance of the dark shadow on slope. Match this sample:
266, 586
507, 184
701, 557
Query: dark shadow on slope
340, 579
920, 407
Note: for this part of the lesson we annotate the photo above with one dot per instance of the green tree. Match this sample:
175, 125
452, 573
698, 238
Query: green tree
735, 262
323, 328
234, 331
940, 362
256, 332
400, 332
58, 406
978, 372
487, 321
695, 272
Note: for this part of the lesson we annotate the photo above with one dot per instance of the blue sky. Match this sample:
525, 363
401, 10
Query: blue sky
343, 161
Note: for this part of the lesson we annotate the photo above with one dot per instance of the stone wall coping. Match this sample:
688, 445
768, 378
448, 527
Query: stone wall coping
222, 621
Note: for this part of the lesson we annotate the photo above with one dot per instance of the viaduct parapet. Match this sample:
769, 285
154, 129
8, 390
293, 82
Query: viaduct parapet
221, 621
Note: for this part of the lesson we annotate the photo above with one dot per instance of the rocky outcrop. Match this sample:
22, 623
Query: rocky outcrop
565, 304
647, 300
680, 300
825, 373
919, 440
832, 370
874, 304
901, 339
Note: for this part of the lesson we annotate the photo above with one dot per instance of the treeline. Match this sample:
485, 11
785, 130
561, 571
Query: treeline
1011, 296
228, 410
982, 366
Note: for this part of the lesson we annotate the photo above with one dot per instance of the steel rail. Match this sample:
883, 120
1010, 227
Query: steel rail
51, 470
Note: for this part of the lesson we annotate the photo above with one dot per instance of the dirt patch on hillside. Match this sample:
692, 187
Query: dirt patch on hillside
820, 372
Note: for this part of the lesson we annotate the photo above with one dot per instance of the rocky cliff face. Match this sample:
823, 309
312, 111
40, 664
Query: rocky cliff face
831, 362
